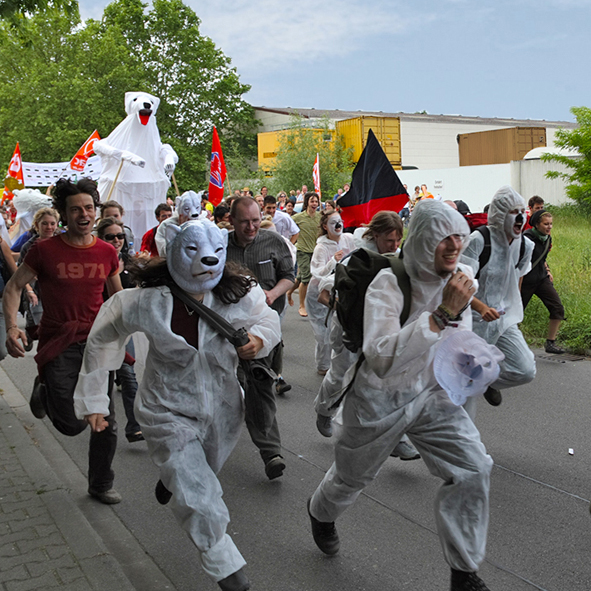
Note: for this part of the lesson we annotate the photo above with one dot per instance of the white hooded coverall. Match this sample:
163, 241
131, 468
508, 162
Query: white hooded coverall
322, 265
189, 404
395, 392
499, 289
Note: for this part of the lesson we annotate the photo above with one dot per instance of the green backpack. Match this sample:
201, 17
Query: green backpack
351, 283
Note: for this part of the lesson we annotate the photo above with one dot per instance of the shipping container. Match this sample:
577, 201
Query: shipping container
499, 146
268, 144
386, 130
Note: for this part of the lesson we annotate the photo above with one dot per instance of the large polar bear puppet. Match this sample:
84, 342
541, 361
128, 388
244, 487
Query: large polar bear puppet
189, 404
147, 162
27, 203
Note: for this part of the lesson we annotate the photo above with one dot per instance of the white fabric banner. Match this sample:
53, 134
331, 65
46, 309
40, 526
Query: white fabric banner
42, 175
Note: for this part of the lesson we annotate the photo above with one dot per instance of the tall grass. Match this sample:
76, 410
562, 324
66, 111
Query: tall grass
570, 264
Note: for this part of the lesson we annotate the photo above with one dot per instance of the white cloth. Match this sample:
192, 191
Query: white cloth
139, 190
322, 265
189, 404
395, 392
285, 225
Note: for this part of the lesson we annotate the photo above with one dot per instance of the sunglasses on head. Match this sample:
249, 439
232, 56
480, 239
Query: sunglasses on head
120, 236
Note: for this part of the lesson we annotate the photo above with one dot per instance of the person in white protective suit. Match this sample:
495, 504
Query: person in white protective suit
395, 392
331, 246
497, 308
383, 235
134, 155
189, 405
187, 207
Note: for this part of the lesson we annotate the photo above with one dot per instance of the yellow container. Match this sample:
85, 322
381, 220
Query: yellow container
386, 130
268, 144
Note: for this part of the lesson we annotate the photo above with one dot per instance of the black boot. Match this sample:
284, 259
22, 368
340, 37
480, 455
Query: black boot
463, 581
237, 581
324, 534
163, 495
493, 396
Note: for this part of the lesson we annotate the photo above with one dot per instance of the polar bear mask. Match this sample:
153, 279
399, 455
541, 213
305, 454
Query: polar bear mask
196, 254
188, 205
142, 104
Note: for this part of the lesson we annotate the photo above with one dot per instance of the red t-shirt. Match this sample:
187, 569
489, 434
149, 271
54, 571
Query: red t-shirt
71, 281
149, 242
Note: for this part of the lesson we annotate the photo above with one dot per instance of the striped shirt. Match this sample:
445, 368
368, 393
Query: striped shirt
268, 258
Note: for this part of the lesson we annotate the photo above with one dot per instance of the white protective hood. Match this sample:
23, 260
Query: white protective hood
431, 222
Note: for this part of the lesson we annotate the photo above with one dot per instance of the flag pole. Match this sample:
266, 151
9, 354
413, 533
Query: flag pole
176, 187
115, 180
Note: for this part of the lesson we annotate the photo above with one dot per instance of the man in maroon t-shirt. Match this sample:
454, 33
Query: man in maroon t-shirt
71, 270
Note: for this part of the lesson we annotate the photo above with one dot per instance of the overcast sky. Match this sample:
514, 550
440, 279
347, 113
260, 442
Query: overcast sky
525, 59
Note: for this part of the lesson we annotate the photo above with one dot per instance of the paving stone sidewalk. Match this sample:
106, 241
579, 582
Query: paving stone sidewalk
45, 540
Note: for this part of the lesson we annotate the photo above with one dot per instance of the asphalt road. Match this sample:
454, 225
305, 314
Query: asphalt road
540, 527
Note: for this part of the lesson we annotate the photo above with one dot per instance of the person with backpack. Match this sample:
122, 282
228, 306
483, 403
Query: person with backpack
332, 245
382, 236
539, 280
396, 392
500, 256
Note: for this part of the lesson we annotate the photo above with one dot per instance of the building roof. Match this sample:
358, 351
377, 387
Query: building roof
426, 117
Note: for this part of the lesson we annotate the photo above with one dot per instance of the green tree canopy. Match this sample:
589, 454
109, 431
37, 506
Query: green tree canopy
297, 151
579, 140
64, 78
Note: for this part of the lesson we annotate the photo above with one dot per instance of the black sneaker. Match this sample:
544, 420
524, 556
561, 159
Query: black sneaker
35, 403
552, 347
463, 581
281, 387
237, 581
163, 495
274, 467
493, 396
324, 534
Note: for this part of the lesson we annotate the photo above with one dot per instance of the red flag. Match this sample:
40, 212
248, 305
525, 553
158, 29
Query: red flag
79, 161
316, 175
375, 187
14, 177
217, 174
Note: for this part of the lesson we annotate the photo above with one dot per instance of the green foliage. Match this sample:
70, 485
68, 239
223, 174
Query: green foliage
64, 78
570, 264
297, 151
579, 139
14, 9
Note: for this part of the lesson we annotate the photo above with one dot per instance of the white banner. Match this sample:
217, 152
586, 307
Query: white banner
42, 175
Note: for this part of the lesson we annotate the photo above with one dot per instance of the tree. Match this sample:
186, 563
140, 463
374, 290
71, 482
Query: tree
297, 151
64, 78
579, 140
12, 9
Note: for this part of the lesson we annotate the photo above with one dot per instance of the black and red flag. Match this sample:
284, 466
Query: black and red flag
375, 186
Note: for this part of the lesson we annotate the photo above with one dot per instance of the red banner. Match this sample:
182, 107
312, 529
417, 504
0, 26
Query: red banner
217, 174
14, 177
86, 150
316, 175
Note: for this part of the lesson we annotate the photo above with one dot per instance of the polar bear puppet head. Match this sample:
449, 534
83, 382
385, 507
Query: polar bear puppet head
196, 254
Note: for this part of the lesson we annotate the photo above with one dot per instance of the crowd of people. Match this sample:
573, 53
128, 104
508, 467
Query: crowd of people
209, 287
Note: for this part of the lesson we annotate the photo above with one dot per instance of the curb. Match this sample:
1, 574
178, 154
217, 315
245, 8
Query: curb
107, 552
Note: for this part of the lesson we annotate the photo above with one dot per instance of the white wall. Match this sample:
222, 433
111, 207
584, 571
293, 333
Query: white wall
477, 184
473, 184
